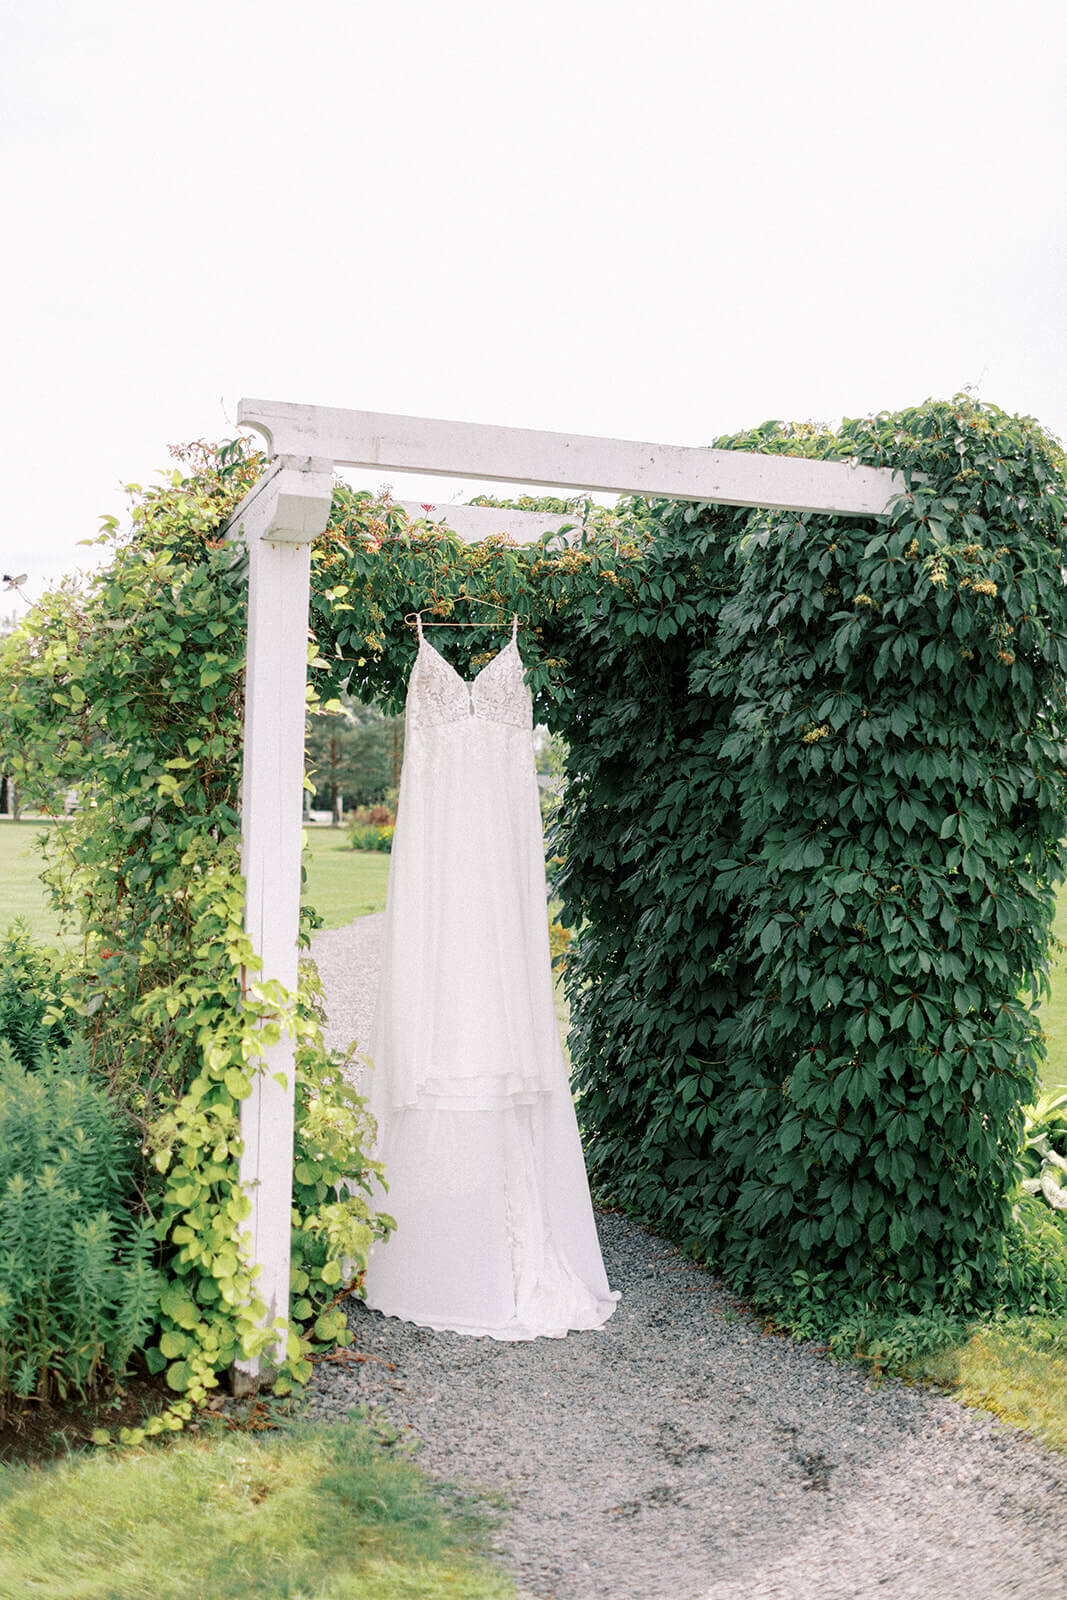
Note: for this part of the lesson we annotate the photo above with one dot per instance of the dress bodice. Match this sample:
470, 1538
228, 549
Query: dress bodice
438, 695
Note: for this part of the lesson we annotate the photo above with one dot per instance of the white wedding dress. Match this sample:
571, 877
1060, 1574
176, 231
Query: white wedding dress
476, 1126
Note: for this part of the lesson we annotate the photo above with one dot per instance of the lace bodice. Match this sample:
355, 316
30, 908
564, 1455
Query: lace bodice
437, 694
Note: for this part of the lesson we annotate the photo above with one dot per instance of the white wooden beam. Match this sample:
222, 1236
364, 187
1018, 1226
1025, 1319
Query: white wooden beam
278, 519
472, 523
564, 460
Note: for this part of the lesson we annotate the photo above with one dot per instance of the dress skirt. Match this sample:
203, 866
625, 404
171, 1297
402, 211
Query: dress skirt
476, 1124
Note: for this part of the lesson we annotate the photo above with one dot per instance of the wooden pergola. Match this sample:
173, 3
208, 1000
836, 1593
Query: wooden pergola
278, 519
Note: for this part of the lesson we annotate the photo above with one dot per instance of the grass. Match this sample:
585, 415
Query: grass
1016, 1369
22, 894
1054, 1009
343, 883
308, 1513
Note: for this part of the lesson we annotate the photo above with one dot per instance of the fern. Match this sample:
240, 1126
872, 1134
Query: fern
78, 1294
138, 1301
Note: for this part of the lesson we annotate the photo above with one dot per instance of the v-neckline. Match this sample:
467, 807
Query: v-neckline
468, 683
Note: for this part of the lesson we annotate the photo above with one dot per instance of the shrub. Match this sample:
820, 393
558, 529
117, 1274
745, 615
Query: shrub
379, 816
368, 837
1042, 1163
78, 1293
813, 828
206, 1305
1034, 1271
31, 988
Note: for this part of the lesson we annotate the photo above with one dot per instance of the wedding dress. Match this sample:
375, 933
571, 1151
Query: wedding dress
476, 1126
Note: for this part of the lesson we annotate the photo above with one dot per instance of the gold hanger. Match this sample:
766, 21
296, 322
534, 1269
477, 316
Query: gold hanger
414, 618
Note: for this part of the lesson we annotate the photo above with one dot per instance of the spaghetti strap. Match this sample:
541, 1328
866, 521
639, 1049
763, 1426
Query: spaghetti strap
515, 628
418, 624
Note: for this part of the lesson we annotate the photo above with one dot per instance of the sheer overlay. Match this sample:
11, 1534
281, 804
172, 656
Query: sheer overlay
476, 1125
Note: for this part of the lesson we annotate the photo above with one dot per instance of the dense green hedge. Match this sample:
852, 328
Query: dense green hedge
814, 823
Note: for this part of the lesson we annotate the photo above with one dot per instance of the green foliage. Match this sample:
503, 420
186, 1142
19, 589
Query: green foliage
379, 815
801, 1028
353, 751
1042, 1163
1044, 1134
365, 836
812, 823
315, 1511
78, 1292
131, 690
373, 566
1033, 1272
209, 1307
31, 990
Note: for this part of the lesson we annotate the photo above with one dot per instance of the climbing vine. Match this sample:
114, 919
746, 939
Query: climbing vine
813, 834
129, 690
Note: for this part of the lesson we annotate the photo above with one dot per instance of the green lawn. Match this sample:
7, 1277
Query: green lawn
1054, 1010
21, 894
343, 883
319, 1513
1016, 1369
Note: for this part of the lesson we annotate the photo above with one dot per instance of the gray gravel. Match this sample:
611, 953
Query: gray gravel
349, 960
682, 1454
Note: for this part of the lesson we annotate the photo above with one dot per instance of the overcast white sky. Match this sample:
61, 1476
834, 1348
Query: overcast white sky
661, 221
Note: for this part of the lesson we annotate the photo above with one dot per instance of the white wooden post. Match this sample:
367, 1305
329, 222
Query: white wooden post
278, 520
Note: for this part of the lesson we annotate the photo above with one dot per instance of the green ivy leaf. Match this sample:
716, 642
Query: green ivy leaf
237, 1083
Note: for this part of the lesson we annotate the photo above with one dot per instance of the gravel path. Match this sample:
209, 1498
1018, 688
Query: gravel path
348, 960
682, 1454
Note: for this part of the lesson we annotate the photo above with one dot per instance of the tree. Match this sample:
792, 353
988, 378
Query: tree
353, 753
